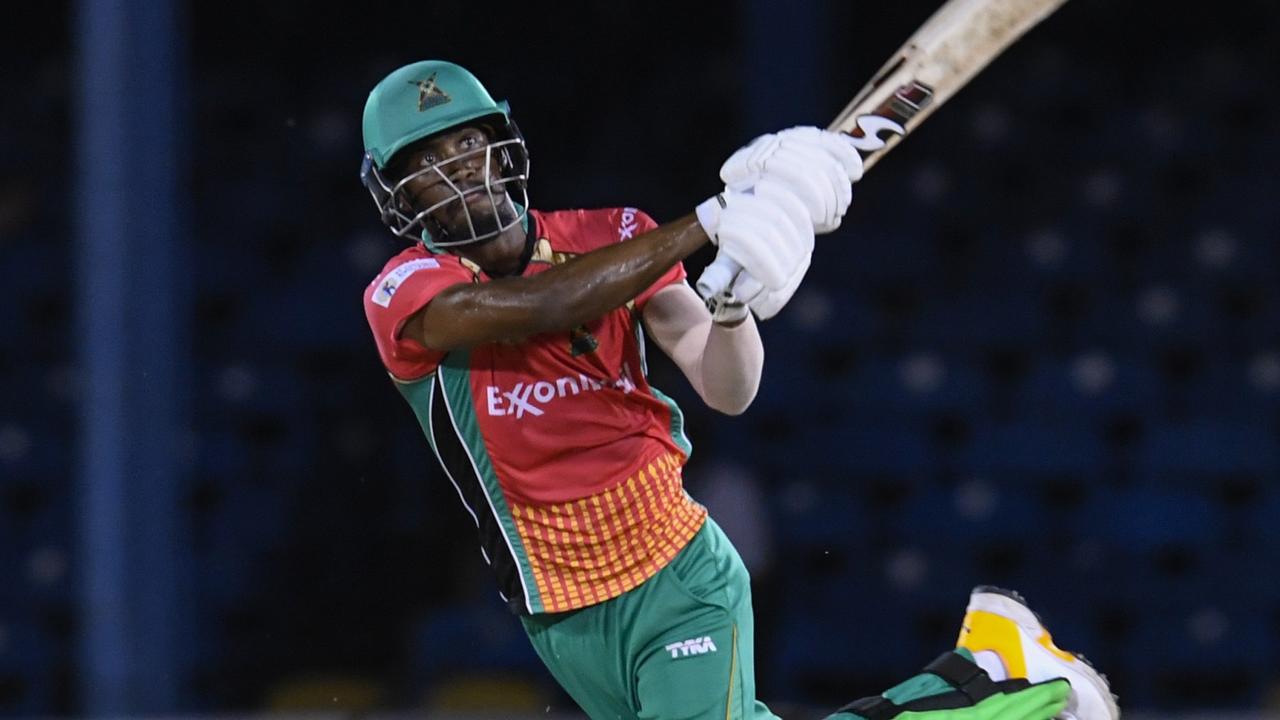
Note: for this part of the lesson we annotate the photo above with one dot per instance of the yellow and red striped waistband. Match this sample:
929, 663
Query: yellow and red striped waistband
589, 550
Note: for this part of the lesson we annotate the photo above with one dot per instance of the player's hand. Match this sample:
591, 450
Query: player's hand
766, 231
816, 165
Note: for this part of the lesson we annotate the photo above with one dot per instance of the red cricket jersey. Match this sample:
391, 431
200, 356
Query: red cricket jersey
561, 451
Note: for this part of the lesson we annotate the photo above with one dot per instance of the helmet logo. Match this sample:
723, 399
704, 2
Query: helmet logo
429, 93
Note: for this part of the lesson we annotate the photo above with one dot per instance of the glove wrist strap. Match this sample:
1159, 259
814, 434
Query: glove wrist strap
708, 212
968, 683
726, 309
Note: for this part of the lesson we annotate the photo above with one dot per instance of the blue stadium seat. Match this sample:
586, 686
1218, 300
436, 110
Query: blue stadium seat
967, 321
236, 265
1175, 640
26, 667
847, 451
817, 642
1034, 449
811, 514
1058, 389
975, 510
1219, 387
221, 453
1191, 450
882, 387
880, 252
476, 637
1147, 517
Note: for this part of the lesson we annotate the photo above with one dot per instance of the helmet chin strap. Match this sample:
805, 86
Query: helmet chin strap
530, 240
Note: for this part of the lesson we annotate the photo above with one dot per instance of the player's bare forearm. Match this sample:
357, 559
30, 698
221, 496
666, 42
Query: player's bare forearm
578, 291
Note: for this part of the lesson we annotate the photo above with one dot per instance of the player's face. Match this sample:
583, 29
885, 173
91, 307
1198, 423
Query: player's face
459, 159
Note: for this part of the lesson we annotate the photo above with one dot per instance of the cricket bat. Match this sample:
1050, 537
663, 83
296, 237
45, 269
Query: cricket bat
954, 44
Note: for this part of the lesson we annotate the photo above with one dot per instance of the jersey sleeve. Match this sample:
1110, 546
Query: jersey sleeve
633, 223
405, 286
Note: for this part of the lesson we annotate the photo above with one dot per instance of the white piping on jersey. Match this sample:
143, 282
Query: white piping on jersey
431, 428
480, 478
644, 360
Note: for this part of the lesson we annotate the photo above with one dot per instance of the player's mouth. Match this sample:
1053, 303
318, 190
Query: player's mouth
477, 203
478, 196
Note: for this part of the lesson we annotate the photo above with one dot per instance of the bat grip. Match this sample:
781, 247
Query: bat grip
718, 276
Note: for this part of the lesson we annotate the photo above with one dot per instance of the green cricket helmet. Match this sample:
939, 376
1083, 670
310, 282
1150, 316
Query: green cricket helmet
417, 102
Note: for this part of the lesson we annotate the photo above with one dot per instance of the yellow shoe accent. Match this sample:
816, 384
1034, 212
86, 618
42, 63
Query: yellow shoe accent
1047, 643
988, 631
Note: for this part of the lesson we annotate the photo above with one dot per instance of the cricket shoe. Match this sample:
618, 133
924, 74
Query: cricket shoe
1000, 622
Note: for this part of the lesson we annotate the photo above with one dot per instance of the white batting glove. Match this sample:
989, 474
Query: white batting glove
763, 302
766, 231
816, 165
748, 295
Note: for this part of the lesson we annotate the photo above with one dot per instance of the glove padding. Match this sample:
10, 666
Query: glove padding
952, 687
816, 165
1042, 701
731, 306
766, 303
765, 231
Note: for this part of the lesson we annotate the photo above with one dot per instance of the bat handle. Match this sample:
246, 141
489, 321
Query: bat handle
718, 276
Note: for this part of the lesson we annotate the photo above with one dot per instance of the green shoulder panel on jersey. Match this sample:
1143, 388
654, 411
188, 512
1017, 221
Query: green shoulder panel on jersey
455, 388
676, 428
420, 394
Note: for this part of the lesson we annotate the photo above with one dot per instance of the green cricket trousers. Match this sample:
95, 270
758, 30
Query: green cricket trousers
678, 646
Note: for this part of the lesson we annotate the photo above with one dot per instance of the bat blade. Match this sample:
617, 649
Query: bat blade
954, 44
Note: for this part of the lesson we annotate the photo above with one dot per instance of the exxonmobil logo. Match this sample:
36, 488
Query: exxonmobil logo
532, 398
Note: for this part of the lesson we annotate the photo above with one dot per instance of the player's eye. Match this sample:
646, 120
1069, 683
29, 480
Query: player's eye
428, 159
470, 142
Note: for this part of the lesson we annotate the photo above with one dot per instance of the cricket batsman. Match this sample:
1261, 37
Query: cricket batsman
518, 338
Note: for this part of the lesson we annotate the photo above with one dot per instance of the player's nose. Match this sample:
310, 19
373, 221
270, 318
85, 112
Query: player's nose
468, 171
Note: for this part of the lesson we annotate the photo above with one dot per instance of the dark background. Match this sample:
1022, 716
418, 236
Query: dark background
1043, 351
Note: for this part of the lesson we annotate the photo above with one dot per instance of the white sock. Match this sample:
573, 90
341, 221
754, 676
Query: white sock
990, 661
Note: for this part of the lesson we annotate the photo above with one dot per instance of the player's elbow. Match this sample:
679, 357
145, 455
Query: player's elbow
730, 382
731, 410
552, 307
731, 403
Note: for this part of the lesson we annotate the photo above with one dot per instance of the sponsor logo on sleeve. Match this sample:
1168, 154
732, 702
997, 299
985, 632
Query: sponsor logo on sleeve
628, 224
385, 287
